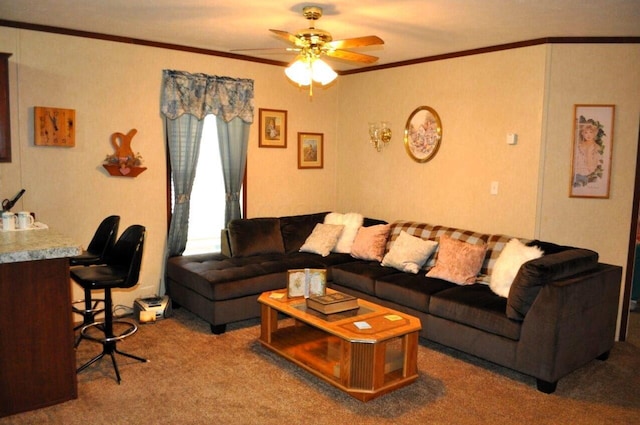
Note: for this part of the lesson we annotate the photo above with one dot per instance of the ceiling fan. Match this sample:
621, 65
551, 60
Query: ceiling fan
316, 42
312, 43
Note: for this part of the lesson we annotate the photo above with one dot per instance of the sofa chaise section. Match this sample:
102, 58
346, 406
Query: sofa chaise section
224, 288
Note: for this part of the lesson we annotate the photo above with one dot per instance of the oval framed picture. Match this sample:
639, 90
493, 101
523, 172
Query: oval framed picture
422, 134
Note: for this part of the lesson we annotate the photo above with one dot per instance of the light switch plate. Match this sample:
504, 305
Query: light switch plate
494, 188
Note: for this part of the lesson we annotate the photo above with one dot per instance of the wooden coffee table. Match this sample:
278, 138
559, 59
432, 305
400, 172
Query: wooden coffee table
364, 363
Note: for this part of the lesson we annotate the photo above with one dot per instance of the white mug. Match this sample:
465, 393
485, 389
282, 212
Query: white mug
25, 220
8, 221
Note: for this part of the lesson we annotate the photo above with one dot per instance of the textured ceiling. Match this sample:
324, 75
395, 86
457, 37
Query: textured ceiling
411, 29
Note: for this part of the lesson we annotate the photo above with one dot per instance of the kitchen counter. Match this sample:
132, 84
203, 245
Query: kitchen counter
36, 244
37, 357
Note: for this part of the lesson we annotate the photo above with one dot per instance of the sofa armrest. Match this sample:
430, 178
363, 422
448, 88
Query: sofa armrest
534, 274
571, 322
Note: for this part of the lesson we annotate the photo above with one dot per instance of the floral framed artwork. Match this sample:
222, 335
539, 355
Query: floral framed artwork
423, 134
273, 128
592, 148
310, 150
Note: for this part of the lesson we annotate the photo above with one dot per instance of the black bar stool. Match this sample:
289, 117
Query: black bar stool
102, 241
122, 270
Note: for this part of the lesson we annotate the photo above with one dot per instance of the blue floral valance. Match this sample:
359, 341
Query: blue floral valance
201, 94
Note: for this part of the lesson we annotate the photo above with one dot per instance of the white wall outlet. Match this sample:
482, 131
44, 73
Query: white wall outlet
512, 139
494, 188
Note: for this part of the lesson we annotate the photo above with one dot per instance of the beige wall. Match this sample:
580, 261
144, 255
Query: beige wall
479, 100
529, 91
115, 87
591, 74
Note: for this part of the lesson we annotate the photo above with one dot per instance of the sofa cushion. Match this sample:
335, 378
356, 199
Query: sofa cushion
370, 242
351, 222
322, 239
410, 290
408, 253
217, 277
255, 236
514, 255
296, 229
360, 275
431, 232
314, 261
534, 274
458, 262
475, 306
495, 245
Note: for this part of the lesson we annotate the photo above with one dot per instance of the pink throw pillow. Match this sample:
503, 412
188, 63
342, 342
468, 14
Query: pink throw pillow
370, 242
458, 262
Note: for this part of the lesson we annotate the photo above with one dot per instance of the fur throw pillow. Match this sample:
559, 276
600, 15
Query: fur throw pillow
513, 255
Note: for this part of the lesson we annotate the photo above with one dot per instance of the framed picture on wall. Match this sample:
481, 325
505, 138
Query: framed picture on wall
310, 150
273, 128
423, 134
591, 153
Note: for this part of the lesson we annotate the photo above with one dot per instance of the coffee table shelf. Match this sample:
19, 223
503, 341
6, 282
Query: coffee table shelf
364, 363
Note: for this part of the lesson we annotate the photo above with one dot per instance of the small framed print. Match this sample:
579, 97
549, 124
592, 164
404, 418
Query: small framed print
310, 150
591, 154
54, 127
423, 134
306, 282
273, 128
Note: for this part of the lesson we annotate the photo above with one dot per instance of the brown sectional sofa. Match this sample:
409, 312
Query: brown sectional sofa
560, 313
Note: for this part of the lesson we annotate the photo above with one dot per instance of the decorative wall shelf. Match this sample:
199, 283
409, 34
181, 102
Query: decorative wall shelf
116, 170
123, 163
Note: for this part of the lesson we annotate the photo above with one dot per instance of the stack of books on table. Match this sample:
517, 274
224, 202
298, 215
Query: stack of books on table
335, 302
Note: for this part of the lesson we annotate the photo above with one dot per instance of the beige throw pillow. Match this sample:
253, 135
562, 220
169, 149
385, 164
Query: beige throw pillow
409, 253
458, 262
323, 238
370, 242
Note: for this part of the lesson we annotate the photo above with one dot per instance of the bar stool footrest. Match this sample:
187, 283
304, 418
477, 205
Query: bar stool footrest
130, 330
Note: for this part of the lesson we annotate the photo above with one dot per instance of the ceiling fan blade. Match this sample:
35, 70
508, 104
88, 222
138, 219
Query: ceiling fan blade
350, 43
274, 50
351, 56
288, 37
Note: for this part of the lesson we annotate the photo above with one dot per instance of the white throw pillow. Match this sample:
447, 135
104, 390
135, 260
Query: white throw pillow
513, 255
322, 240
351, 222
409, 253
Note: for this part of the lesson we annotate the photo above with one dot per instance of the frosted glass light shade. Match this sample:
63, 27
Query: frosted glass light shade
322, 73
303, 73
299, 73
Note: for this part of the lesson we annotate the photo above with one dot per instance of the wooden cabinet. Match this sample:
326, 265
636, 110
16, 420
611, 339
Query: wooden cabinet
37, 358
5, 122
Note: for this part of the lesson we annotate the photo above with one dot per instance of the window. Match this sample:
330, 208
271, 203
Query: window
206, 213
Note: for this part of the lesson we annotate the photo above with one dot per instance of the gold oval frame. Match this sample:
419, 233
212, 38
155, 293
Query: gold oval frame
421, 139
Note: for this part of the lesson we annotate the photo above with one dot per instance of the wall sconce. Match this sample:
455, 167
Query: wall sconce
379, 134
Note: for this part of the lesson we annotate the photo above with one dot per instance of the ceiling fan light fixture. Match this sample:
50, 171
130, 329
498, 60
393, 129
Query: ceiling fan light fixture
299, 72
321, 72
306, 70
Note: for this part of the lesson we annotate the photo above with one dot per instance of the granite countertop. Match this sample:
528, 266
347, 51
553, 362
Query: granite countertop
37, 244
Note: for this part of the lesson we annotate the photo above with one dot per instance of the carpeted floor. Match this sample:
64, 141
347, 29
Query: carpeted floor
195, 377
